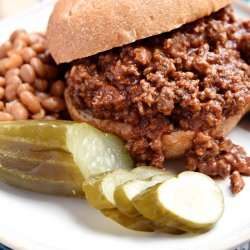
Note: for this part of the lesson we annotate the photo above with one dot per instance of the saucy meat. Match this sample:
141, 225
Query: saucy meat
237, 183
216, 157
191, 78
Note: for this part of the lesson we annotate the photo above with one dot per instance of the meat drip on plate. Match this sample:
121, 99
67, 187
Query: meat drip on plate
219, 157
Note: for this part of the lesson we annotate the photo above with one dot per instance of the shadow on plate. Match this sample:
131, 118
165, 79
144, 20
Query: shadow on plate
245, 122
79, 211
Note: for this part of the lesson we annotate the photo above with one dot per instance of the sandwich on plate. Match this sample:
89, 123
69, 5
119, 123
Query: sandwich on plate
170, 78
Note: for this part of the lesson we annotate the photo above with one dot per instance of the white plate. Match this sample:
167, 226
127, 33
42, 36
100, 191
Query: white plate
33, 221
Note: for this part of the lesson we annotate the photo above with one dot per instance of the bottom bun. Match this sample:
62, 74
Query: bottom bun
174, 144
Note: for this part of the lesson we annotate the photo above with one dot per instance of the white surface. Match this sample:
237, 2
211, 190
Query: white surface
33, 221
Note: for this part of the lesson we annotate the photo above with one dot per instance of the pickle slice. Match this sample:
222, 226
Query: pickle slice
124, 194
162, 227
192, 202
99, 190
146, 172
135, 224
94, 194
96, 152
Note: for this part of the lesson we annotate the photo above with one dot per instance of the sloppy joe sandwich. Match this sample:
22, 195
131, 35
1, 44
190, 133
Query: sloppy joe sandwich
168, 77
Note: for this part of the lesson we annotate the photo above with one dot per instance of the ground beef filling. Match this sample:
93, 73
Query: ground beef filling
218, 157
190, 78
237, 183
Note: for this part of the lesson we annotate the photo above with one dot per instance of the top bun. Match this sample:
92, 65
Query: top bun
81, 28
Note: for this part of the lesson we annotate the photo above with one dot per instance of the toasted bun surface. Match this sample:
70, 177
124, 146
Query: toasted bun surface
81, 28
174, 144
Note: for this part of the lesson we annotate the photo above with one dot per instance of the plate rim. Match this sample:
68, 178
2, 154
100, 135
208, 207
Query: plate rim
19, 242
228, 242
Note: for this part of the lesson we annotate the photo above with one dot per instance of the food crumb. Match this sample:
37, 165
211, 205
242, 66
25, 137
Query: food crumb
237, 183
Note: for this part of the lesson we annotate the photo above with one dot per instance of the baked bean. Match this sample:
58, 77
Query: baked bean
46, 57
40, 35
52, 72
2, 92
27, 54
2, 82
8, 106
26, 68
39, 47
23, 36
19, 112
14, 61
25, 87
50, 118
56, 115
30, 101
57, 88
4, 116
40, 115
5, 48
11, 91
27, 74
11, 72
18, 46
3, 66
1, 105
53, 104
42, 95
35, 38
41, 84
13, 79
16, 34
38, 66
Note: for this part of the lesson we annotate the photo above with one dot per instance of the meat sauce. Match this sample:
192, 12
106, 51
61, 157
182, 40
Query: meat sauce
190, 79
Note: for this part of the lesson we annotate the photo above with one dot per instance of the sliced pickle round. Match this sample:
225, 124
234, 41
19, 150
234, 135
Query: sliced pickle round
192, 202
146, 172
99, 189
131, 223
125, 193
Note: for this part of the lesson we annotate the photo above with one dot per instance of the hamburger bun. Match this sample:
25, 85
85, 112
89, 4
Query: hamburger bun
76, 27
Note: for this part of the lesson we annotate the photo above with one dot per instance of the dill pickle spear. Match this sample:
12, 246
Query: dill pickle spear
33, 156
47, 133
35, 175
53, 157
